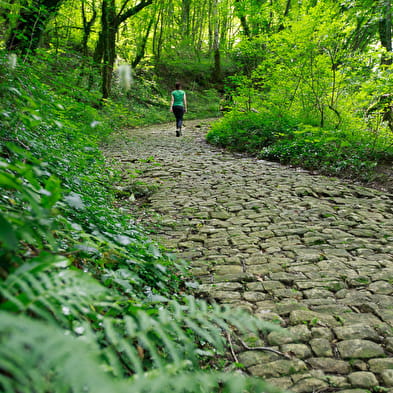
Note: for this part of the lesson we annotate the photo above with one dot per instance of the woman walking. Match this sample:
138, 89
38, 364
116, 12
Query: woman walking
178, 106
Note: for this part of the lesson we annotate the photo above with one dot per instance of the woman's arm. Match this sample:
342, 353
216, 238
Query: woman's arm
185, 102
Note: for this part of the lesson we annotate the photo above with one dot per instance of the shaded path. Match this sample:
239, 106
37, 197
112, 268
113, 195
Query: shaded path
311, 252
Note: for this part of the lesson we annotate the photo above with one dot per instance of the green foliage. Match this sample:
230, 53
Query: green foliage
190, 69
335, 152
314, 68
329, 151
298, 71
87, 301
249, 54
94, 336
202, 103
59, 196
133, 338
40, 357
250, 131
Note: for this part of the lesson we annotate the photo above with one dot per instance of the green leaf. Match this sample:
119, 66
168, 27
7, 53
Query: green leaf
48, 259
345, 144
53, 186
74, 200
7, 234
9, 181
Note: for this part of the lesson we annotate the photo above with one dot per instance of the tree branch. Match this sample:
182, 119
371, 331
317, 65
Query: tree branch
122, 8
134, 10
263, 349
231, 348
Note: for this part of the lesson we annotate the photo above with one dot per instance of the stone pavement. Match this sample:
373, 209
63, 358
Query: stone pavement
310, 252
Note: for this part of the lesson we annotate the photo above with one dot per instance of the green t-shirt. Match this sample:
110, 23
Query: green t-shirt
178, 96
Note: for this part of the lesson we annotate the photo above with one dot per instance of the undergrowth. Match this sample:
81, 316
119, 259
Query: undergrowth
250, 131
345, 152
87, 301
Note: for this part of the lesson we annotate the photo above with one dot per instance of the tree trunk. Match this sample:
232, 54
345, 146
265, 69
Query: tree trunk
99, 49
216, 76
243, 19
106, 45
26, 35
286, 13
385, 32
186, 5
87, 27
109, 30
217, 72
142, 47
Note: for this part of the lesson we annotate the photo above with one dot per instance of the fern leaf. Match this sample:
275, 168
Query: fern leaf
35, 356
53, 295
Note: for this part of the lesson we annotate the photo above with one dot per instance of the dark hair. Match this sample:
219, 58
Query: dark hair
177, 85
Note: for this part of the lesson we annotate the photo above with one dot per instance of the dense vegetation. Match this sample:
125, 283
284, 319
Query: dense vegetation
87, 300
314, 88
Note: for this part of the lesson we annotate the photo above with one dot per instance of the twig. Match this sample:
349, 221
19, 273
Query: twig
16, 140
231, 347
264, 349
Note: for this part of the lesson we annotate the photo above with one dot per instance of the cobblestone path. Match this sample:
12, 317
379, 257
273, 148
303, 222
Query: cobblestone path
314, 253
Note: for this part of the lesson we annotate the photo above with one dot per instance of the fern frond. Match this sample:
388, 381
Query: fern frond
178, 335
53, 294
40, 357
136, 342
37, 357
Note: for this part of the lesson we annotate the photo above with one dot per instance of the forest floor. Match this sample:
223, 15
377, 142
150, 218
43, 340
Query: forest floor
385, 183
312, 253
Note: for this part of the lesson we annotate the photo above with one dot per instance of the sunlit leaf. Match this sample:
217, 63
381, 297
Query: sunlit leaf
74, 200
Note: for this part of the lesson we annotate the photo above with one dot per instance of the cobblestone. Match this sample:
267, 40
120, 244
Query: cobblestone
311, 253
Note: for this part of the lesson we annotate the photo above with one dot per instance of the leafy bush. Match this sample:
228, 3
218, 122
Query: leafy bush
141, 350
202, 104
59, 194
335, 152
330, 151
250, 131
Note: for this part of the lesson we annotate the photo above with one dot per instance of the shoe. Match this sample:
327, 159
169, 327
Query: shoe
178, 133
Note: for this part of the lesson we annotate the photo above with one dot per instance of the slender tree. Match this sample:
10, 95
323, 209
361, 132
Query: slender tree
217, 73
141, 47
87, 25
186, 9
385, 31
105, 52
239, 6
